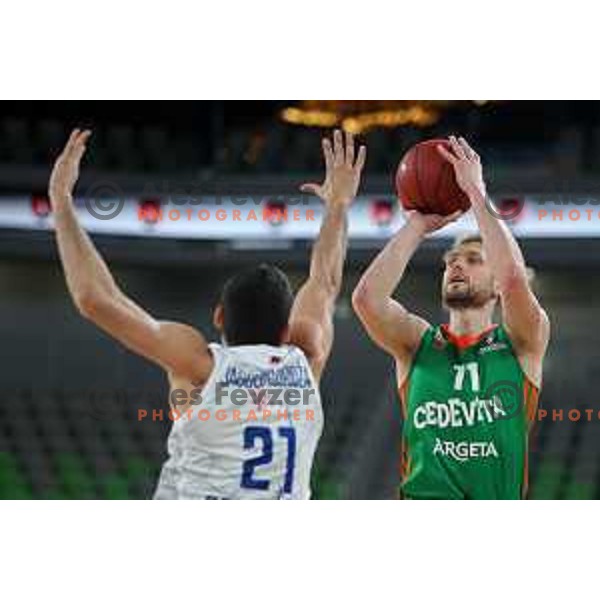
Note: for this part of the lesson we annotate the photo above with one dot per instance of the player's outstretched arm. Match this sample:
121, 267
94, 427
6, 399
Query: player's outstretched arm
526, 321
387, 322
311, 320
178, 348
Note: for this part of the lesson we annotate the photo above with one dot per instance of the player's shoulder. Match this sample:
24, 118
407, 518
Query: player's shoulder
195, 356
309, 337
429, 333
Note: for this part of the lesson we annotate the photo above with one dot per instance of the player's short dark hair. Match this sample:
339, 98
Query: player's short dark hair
256, 306
468, 238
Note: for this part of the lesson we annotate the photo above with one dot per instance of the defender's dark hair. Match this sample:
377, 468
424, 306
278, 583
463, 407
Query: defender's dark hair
256, 306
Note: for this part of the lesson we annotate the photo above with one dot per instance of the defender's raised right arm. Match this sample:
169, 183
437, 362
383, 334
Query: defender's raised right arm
180, 349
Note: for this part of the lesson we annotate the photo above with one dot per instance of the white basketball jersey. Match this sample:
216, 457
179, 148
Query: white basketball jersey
253, 433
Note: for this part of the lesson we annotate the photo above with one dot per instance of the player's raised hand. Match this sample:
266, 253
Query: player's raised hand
467, 165
430, 223
343, 170
66, 168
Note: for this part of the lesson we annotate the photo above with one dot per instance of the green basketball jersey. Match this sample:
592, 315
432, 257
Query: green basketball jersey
467, 410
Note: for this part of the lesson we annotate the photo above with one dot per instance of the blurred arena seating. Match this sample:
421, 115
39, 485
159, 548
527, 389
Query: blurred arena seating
116, 147
272, 146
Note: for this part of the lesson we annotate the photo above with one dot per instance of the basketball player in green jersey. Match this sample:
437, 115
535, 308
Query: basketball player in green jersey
468, 388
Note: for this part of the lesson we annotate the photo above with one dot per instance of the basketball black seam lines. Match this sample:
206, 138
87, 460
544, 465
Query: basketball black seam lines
417, 179
439, 181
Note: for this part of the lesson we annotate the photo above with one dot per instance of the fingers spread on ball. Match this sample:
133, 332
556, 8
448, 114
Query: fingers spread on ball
456, 215
446, 154
469, 152
457, 148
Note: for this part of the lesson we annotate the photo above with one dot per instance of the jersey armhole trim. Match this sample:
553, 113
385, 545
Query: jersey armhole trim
526, 377
216, 351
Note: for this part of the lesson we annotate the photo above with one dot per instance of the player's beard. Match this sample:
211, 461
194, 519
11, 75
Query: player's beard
465, 296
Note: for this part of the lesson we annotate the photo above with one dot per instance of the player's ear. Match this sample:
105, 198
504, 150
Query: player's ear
219, 318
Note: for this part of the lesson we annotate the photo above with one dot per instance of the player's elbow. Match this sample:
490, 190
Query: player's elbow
358, 298
544, 324
88, 304
363, 300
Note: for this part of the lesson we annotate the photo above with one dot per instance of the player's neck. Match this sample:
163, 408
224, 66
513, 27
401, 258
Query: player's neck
470, 321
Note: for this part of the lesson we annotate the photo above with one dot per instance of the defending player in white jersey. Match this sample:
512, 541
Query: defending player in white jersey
233, 439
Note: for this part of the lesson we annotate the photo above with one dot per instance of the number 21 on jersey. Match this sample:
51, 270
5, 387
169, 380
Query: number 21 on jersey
263, 436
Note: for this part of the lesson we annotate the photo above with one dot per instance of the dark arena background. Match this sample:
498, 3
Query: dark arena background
70, 396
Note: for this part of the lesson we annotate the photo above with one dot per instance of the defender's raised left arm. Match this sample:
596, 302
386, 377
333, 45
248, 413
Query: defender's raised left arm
524, 318
311, 320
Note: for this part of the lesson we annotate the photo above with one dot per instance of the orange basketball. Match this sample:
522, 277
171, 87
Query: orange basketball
425, 181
